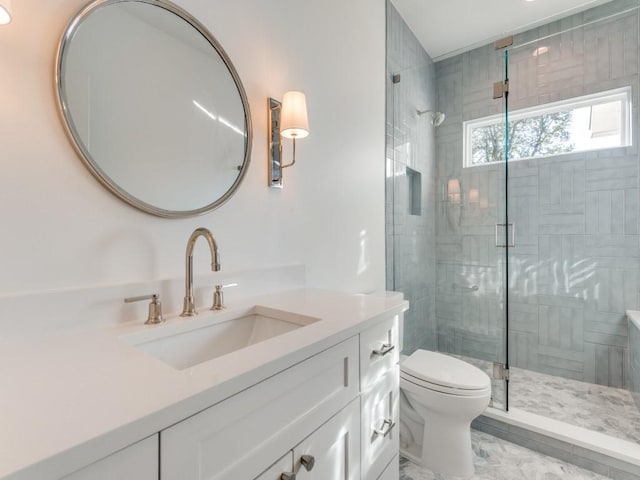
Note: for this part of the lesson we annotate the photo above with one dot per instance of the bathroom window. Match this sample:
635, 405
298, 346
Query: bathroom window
591, 122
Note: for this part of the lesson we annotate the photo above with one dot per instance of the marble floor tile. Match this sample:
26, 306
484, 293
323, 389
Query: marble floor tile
497, 459
608, 410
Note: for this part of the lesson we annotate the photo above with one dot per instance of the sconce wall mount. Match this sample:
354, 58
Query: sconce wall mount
275, 145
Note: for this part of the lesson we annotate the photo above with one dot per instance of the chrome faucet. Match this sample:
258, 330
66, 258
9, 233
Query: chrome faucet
189, 309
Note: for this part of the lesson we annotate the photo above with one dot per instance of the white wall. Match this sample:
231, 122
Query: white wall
61, 229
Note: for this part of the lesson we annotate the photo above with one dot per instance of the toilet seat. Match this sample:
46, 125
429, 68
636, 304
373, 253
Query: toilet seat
445, 374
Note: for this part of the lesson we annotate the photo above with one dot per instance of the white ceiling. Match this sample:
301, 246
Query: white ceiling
448, 27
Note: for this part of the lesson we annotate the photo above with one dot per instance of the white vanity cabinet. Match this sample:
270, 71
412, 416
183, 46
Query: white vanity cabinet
138, 461
333, 416
319, 402
243, 435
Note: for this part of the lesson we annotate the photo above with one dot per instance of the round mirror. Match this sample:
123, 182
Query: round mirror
154, 106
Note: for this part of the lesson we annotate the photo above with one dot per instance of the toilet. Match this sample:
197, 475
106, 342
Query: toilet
439, 397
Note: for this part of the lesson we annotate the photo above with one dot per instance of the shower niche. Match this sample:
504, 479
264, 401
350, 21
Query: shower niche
414, 192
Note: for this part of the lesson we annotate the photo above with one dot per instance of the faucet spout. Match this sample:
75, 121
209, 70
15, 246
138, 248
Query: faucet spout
189, 309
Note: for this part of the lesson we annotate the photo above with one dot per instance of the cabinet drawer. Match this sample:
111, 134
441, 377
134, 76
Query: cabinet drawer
380, 428
241, 436
379, 351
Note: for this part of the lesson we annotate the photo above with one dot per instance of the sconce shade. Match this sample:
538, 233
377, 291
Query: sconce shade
294, 122
453, 186
5, 12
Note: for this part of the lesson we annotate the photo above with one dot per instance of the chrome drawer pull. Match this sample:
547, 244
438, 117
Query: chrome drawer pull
387, 426
288, 476
386, 348
308, 461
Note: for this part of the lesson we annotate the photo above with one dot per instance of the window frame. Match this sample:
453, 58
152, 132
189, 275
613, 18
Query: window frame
607, 96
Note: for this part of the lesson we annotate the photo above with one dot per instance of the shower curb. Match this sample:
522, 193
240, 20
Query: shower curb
615, 458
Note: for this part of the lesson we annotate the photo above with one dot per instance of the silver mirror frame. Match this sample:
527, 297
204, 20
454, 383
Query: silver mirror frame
81, 149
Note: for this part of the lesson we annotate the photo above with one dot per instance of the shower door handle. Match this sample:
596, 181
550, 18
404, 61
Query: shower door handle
500, 238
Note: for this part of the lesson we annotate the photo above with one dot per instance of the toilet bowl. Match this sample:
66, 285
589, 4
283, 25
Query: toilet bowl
440, 396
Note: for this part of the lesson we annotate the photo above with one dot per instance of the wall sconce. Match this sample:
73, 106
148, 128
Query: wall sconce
289, 120
474, 195
453, 190
5, 12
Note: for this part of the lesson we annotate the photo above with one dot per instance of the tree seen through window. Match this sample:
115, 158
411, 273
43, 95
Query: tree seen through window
537, 136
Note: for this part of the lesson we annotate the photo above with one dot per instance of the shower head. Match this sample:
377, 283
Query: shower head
437, 118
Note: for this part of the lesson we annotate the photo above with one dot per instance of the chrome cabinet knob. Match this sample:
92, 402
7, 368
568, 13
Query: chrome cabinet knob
307, 461
288, 476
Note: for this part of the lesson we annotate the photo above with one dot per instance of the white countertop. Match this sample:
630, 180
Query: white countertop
70, 400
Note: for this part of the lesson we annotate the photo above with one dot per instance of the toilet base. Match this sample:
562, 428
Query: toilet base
446, 448
437, 441
444, 457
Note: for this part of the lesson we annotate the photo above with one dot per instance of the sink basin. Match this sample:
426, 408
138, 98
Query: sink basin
196, 340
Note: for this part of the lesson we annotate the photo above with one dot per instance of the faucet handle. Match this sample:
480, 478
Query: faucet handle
218, 296
155, 307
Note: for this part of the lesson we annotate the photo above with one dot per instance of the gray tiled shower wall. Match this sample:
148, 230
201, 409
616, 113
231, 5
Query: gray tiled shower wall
575, 267
410, 216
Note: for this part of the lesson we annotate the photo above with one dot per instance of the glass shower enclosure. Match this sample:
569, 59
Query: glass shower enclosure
512, 227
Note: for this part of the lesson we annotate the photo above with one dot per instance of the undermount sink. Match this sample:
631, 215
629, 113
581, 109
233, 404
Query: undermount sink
190, 342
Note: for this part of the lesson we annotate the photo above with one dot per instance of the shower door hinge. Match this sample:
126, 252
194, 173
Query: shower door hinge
500, 88
500, 371
503, 42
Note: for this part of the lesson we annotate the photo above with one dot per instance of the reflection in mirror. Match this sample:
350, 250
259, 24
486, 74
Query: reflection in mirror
154, 106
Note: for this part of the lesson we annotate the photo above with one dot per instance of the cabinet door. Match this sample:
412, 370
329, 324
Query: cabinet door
284, 465
380, 430
334, 447
139, 461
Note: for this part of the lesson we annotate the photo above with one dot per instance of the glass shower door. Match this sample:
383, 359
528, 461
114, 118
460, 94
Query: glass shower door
472, 231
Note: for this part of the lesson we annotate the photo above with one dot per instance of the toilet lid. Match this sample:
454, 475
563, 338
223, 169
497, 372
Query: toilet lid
439, 369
